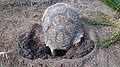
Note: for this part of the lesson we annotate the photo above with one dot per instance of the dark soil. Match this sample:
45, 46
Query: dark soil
30, 45
32, 48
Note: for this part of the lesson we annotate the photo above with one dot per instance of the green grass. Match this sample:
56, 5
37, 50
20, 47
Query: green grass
115, 5
105, 43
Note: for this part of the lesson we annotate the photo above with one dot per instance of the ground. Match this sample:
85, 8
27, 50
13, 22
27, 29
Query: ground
17, 18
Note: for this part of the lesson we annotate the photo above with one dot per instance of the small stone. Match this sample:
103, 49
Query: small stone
93, 35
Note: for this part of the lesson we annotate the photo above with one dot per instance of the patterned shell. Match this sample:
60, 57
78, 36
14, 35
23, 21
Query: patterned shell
60, 23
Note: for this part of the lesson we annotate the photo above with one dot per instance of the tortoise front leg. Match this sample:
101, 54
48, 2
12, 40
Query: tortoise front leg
53, 52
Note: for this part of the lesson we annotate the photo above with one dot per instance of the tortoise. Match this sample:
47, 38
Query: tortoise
62, 27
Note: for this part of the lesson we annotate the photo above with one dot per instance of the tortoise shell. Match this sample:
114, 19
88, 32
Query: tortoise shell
62, 26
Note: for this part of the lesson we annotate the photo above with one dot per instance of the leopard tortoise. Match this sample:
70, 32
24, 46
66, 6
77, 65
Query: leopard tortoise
62, 27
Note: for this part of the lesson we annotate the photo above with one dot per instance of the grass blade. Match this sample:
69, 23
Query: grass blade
113, 4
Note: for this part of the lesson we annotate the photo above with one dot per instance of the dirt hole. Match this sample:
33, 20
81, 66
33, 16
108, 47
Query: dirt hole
32, 47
